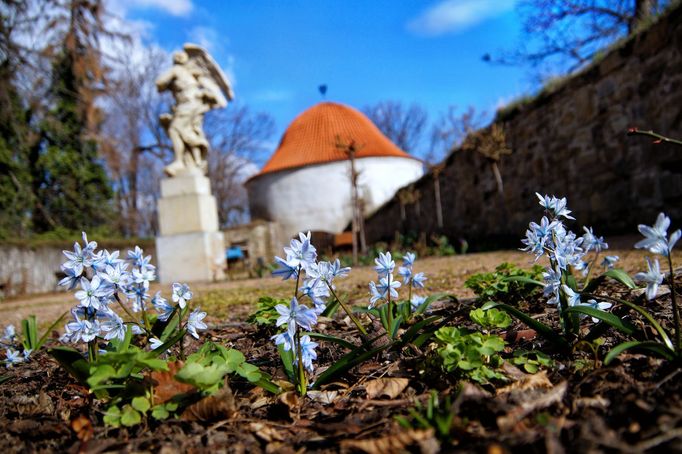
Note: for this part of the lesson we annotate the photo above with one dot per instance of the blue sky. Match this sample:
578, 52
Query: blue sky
279, 52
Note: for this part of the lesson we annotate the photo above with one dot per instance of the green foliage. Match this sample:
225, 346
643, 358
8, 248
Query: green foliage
29, 328
531, 361
508, 283
265, 313
473, 355
432, 416
207, 368
491, 318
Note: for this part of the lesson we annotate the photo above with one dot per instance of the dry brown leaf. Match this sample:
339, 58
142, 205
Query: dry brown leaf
424, 439
528, 382
389, 387
166, 386
265, 432
552, 396
325, 397
290, 399
220, 405
82, 426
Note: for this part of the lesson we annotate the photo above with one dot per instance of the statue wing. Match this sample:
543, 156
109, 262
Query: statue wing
211, 76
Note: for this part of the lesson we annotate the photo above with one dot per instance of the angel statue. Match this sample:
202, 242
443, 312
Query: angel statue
198, 85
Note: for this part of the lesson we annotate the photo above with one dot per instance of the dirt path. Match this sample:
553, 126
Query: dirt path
231, 299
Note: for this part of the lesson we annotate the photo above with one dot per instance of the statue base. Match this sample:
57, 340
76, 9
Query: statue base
190, 247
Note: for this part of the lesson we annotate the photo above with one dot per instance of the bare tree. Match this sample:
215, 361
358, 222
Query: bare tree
238, 137
132, 141
450, 129
404, 125
564, 35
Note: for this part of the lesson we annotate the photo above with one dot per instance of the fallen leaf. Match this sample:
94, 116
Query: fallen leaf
82, 426
389, 387
325, 397
265, 432
220, 405
513, 417
290, 399
166, 386
423, 439
528, 382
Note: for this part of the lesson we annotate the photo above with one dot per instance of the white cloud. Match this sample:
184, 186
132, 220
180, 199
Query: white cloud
178, 8
452, 16
207, 37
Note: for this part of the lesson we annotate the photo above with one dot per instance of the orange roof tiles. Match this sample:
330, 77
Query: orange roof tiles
313, 138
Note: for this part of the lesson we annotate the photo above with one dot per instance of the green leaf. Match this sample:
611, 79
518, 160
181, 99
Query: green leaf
4, 378
49, 330
524, 280
30, 330
268, 385
336, 340
287, 362
622, 277
491, 318
141, 404
160, 412
100, 374
607, 317
347, 362
414, 330
654, 347
169, 341
72, 361
112, 417
395, 326
249, 372
130, 417
202, 377
541, 328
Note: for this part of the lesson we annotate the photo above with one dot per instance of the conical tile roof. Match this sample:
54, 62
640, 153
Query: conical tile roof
315, 135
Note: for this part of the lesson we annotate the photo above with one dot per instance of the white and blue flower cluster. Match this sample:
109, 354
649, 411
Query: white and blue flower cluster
314, 280
387, 288
12, 355
657, 242
103, 279
565, 250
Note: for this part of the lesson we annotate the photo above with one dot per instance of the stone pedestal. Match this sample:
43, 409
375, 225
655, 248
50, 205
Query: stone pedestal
190, 248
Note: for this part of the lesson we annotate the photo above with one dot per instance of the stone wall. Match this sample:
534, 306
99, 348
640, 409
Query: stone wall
32, 269
570, 141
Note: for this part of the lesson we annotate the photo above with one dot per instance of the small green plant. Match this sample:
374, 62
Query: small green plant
435, 415
471, 354
265, 314
531, 361
508, 283
491, 318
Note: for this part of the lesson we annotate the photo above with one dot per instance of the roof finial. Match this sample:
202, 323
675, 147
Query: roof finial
323, 90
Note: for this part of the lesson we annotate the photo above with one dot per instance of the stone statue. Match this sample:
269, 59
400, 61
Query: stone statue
198, 85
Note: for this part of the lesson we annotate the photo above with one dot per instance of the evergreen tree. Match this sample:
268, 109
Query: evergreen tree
70, 181
16, 198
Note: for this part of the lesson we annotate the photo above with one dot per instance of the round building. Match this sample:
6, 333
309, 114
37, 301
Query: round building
306, 184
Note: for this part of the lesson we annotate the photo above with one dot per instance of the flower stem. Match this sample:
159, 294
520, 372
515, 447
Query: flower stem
348, 311
130, 315
301, 371
676, 310
390, 305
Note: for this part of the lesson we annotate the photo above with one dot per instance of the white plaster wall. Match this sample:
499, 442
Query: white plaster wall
317, 197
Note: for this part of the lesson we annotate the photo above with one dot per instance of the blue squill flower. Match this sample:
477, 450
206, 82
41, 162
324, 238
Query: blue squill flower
71, 279
572, 298
418, 280
92, 291
656, 237
296, 314
12, 357
8, 334
374, 294
384, 264
301, 252
284, 339
162, 306
552, 280
195, 322
417, 301
308, 354
409, 258
285, 269
558, 207
181, 294
652, 278
592, 242
609, 261
387, 287
113, 326
143, 276
406, 273
78, 260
